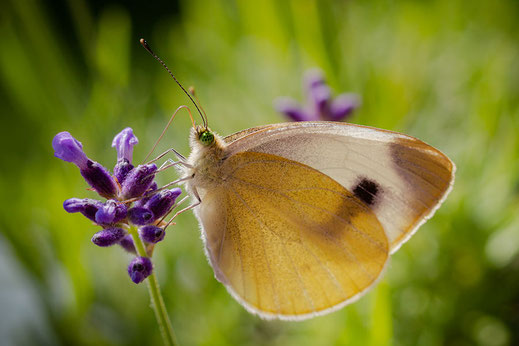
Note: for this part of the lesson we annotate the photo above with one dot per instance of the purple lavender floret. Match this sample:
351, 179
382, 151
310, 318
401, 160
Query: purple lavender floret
161, 202
131, 200
123, 143
138, 181
69, 149
111, 212
142, 202
86, 206
152, 234
320, 105
108, 236
121, 170
139, 269
99, 178
140, 216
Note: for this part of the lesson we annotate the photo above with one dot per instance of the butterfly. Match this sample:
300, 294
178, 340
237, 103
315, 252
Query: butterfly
300, 219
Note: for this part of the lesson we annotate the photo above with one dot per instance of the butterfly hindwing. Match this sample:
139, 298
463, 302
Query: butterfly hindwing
287, 240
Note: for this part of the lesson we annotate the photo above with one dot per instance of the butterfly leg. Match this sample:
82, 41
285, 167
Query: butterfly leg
195, 204
170, 163
181, 157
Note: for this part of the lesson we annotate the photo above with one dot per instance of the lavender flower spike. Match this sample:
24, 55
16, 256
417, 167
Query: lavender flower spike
123, 143
139, 269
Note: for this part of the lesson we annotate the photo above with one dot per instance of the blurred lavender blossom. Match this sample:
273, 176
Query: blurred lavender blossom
320, 104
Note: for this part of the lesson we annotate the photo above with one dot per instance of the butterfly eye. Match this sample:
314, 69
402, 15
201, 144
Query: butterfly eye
206, 137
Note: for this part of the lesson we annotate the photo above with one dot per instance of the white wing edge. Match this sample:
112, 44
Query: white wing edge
431, 212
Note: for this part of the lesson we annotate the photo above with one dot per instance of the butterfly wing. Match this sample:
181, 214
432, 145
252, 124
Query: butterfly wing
402, 179
288, 241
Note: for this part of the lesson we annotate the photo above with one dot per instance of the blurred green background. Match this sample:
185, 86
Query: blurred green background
445, 71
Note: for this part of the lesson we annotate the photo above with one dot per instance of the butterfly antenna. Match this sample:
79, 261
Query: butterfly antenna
147, 47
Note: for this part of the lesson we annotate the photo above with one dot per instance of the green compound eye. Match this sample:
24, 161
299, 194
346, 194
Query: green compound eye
206, 137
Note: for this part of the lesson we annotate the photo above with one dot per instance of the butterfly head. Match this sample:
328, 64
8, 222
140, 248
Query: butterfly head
205, 137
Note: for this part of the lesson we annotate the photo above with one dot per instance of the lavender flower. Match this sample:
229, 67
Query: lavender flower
131, 200
321, 105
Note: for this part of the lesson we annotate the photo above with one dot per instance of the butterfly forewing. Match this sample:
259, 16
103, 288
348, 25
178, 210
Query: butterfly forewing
287, 240
400, 178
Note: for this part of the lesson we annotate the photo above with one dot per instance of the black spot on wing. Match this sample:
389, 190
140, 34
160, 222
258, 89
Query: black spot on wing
367, 191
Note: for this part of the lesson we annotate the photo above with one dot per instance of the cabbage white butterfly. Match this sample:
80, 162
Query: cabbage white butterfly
299, 219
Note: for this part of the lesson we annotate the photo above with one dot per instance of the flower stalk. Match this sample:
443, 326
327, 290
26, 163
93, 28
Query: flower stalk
157, 303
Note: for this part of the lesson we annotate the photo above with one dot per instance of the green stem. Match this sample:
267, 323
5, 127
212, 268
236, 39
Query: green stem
168, 336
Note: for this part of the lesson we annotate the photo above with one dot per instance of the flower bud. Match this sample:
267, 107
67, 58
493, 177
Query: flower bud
152, 234
138, 180
108, 236
87, 207
123, 143
69, 149
98, 177
140, 215
162, 201
139, 269
111, 212
121, 170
